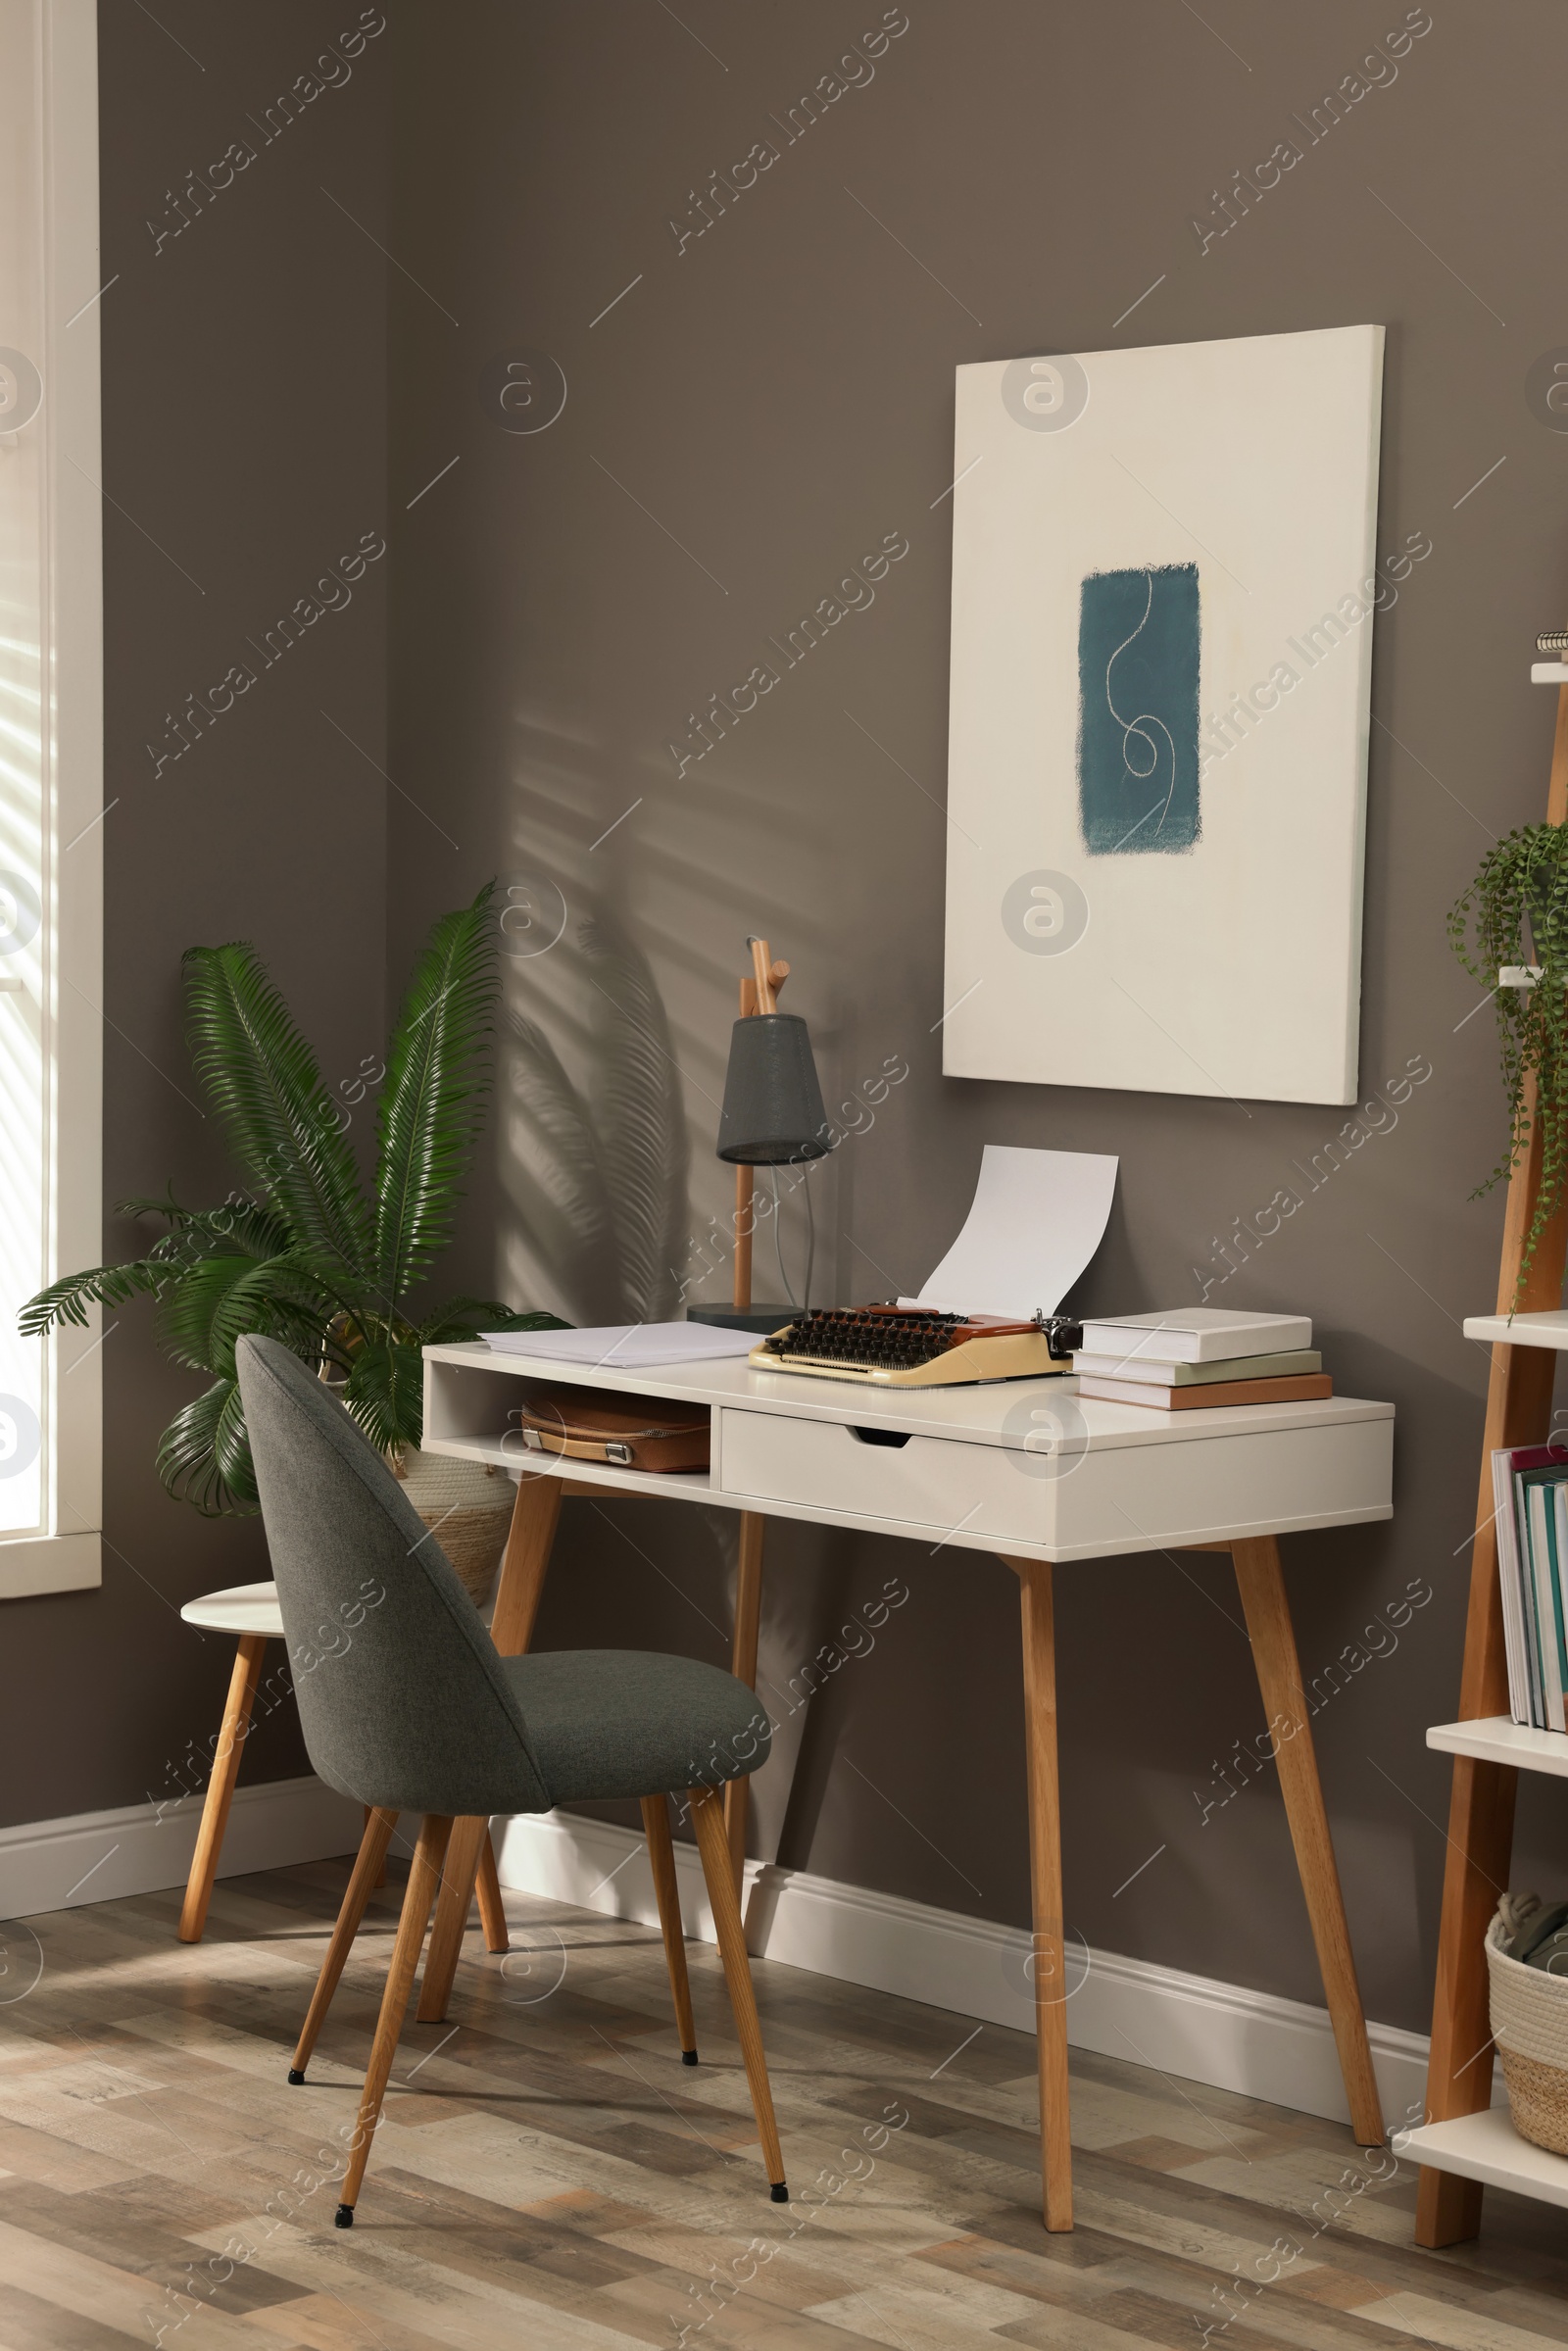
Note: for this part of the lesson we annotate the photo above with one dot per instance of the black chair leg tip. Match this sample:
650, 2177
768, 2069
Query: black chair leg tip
779, 2192
295, 2075
343, 2218
688, 2057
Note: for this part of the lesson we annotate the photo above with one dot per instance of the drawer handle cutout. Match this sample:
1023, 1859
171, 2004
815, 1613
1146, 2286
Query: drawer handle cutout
893, 1437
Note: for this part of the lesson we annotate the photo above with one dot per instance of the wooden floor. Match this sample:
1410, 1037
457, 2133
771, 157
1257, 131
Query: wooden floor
548, 2173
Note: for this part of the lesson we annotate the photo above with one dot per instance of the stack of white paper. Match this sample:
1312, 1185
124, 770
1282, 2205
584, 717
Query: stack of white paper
626, 1345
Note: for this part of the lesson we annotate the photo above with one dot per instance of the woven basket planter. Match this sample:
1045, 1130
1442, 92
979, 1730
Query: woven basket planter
468, 1508
1530, 2023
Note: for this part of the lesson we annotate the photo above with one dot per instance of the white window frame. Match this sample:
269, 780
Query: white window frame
69, 1557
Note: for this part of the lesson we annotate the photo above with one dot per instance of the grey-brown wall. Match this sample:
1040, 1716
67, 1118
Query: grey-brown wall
754, 413
244, 402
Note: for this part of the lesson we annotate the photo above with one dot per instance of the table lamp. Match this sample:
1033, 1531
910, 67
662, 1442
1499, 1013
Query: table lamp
772, 1117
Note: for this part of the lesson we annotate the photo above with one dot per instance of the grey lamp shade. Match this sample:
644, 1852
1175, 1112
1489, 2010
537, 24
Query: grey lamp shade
772, 1110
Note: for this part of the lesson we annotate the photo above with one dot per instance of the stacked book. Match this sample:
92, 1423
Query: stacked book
1531, 1484
1201, 1360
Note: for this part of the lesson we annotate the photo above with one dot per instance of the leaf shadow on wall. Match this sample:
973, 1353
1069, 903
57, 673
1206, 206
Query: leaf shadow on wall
597, 1172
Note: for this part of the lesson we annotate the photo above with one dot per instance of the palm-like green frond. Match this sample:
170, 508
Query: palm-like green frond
218, 1299
204, 1456
385, 1392
431, 1102
68, 1299
308, 1263
264, 1081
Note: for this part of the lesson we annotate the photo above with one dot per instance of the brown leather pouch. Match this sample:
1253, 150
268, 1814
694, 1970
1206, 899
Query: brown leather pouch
590, 1424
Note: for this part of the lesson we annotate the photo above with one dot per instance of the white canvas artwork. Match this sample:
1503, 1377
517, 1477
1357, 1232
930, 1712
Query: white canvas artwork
1165, 578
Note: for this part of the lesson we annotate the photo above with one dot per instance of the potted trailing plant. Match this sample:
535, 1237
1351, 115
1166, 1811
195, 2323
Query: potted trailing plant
1515, 912
301, 1252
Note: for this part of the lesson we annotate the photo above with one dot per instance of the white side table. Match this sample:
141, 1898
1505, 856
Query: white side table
250, 1613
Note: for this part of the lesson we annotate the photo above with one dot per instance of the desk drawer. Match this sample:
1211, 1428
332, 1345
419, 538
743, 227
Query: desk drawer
929, 1482
1089, 1502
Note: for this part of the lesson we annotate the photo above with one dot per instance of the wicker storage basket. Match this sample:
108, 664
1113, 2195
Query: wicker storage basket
1530, 2023
468, 1508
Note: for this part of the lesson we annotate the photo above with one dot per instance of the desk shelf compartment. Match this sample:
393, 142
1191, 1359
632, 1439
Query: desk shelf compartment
467, 1408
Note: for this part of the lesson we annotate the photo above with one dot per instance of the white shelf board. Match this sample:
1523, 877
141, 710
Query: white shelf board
1494, 1739
1487, 2147
1549, 1329
1549, 673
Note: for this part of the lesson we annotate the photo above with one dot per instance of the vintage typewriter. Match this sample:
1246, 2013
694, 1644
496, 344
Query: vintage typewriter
909, 1347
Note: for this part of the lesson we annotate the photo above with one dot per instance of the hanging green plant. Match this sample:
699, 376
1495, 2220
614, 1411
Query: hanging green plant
1515, 912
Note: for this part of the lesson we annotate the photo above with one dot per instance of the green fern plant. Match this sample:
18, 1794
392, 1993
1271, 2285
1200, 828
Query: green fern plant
302, 1255
1525, 879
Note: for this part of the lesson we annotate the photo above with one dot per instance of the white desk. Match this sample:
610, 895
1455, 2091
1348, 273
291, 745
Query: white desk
1026, 1470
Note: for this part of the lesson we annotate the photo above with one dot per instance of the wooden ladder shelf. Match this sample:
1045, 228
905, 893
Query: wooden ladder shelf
1482, 1806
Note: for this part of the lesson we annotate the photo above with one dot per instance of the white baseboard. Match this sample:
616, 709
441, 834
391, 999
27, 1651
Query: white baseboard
1189, 2026
95, 1856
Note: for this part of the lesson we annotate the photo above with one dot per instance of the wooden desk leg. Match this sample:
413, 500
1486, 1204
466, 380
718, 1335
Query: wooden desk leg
1045, 1872
220, 1786
523, 1566
743, 1665
1279, 1678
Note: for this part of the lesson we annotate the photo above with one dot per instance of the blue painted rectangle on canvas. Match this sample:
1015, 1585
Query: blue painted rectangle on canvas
1138, 682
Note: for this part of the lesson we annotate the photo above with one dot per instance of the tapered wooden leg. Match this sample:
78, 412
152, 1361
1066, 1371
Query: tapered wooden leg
1279, 1678
707, 1818
1459, 2069
524, 1563
523, 1566
220, 1786
743, 1665
425, 1874
368, 1872
1045, 1873
662, 1854
381, 1879
460, 1861
492, 1910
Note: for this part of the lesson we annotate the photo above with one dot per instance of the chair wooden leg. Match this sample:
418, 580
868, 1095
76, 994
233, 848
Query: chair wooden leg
1279, 1678
662, 1854
492, 1910
381, 1879
425, 1875
462, 1861
743, 1665
368, 1872
1045, 1875
707, 1818
220, 1786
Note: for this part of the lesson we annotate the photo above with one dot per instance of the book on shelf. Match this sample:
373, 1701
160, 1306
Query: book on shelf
1193, 1335
1530, 1487
1210, 1397
1122, 1366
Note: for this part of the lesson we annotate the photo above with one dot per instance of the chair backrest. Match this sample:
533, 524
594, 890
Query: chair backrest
401, 1694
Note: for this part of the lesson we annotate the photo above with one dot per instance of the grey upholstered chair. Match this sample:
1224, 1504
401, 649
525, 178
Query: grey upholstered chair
407, 1706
